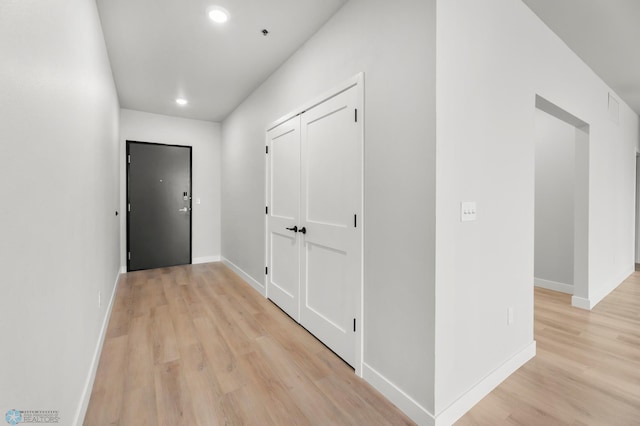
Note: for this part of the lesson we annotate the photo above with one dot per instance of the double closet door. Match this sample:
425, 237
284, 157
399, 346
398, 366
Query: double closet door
314, 234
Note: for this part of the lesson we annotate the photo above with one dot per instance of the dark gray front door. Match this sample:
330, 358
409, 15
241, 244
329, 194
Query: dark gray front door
159, 205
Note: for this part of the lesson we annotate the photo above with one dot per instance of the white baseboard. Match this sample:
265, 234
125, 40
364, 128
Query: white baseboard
88, 386
592, 301
194, 261
205, 259
581, 302
457, 409
393, 393
553, 285
252, 282
453, 412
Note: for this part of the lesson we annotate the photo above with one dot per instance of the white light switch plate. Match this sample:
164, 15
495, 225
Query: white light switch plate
467, 211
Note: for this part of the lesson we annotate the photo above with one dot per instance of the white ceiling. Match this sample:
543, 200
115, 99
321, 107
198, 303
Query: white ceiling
606, 36
162, 50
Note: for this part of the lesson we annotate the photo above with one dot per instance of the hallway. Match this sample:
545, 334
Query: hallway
195, 345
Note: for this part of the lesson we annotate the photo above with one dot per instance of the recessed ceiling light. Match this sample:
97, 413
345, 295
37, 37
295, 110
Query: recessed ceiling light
218, 15
181, 101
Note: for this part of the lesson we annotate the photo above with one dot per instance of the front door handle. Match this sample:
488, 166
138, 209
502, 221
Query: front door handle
184, 209
294, 228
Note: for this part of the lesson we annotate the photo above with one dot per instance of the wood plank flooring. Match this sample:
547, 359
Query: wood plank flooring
195, 345
586, 371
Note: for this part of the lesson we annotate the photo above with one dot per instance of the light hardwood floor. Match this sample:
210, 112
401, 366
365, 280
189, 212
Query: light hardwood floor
586, 371
195, 345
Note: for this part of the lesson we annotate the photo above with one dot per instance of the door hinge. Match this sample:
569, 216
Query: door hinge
129, 158
356, 114
266, 210
266, 270
129, 255
267, 150
354, 325
355, 220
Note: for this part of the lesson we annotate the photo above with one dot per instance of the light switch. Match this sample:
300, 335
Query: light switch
467, 211
197, 200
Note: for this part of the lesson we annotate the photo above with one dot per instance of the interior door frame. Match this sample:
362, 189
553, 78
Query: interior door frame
357, 81
127, 199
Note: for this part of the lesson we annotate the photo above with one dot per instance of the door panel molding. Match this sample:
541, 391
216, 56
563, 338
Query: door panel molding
331, 227
283, 188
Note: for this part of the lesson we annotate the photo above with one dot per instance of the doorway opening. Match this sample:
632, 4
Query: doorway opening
561, 202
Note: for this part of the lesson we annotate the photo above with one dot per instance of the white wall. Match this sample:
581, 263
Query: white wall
204, 137
637, 257
554, 200
493, 58
58, 230
394, 46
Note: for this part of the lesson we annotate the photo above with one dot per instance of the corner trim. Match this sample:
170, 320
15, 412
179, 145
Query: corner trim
401, 399
590, 303
246, 277
582, 303
553, 285
205, 259
458, 408
88, 385
612, 285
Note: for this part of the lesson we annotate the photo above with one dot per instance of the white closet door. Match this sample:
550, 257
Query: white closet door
283, 172
330, 202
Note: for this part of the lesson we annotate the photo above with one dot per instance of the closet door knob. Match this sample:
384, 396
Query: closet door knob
303, 230
294, 229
